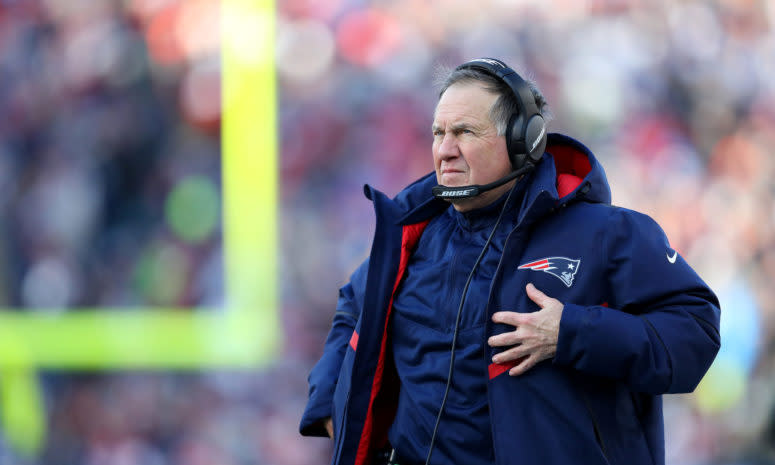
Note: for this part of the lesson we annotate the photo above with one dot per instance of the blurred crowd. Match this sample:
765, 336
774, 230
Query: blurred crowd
102, 149
110, 187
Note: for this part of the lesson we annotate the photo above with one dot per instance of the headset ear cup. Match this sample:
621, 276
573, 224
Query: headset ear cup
535, 138
515, 144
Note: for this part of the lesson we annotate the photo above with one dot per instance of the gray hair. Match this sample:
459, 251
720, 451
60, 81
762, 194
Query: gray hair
506, 103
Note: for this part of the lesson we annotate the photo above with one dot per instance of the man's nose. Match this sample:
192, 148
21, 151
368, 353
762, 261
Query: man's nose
448, 147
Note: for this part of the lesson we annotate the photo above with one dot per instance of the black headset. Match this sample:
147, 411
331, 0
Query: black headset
526, 130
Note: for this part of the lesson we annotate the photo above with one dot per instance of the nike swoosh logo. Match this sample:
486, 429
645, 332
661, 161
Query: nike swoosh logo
672, 259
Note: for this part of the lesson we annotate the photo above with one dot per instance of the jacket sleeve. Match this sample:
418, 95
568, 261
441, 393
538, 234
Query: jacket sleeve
660, 332
324, 376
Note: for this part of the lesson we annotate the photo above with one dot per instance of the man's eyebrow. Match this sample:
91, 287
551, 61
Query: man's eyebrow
462, 125
456, 127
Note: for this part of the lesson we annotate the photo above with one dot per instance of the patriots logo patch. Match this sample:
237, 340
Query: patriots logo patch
563, 268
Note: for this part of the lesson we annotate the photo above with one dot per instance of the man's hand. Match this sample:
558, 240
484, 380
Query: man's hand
534, 336
329, 425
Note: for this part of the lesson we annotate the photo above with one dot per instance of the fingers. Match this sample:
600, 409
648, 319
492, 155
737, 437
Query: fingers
509, 338
329, 425
509, 318
533, 338
537, 296
516, 318
526, 364
515, 353
504, 339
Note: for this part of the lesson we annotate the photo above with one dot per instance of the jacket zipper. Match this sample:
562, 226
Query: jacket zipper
486, 362
487, 312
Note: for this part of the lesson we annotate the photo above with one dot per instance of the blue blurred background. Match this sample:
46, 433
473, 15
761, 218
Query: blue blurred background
110, 187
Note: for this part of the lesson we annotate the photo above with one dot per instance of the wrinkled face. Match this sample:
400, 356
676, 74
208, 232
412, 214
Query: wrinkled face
466, 146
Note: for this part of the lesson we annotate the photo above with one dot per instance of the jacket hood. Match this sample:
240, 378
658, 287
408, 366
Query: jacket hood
576, 171
568, 171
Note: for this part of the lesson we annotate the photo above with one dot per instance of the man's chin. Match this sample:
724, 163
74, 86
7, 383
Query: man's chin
453, 180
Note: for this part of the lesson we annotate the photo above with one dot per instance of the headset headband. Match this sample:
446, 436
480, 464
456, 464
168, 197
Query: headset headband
518, 85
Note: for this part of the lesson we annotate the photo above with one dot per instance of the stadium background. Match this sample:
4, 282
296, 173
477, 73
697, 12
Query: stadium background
112, 194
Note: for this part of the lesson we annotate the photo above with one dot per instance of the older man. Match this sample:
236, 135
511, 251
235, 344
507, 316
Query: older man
508, 313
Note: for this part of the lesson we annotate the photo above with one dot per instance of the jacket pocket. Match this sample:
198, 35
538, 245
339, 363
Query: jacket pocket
596, 426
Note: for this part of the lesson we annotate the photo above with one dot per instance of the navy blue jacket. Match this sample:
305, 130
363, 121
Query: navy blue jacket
637, 323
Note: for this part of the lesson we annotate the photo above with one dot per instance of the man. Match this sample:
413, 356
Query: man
529, 322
